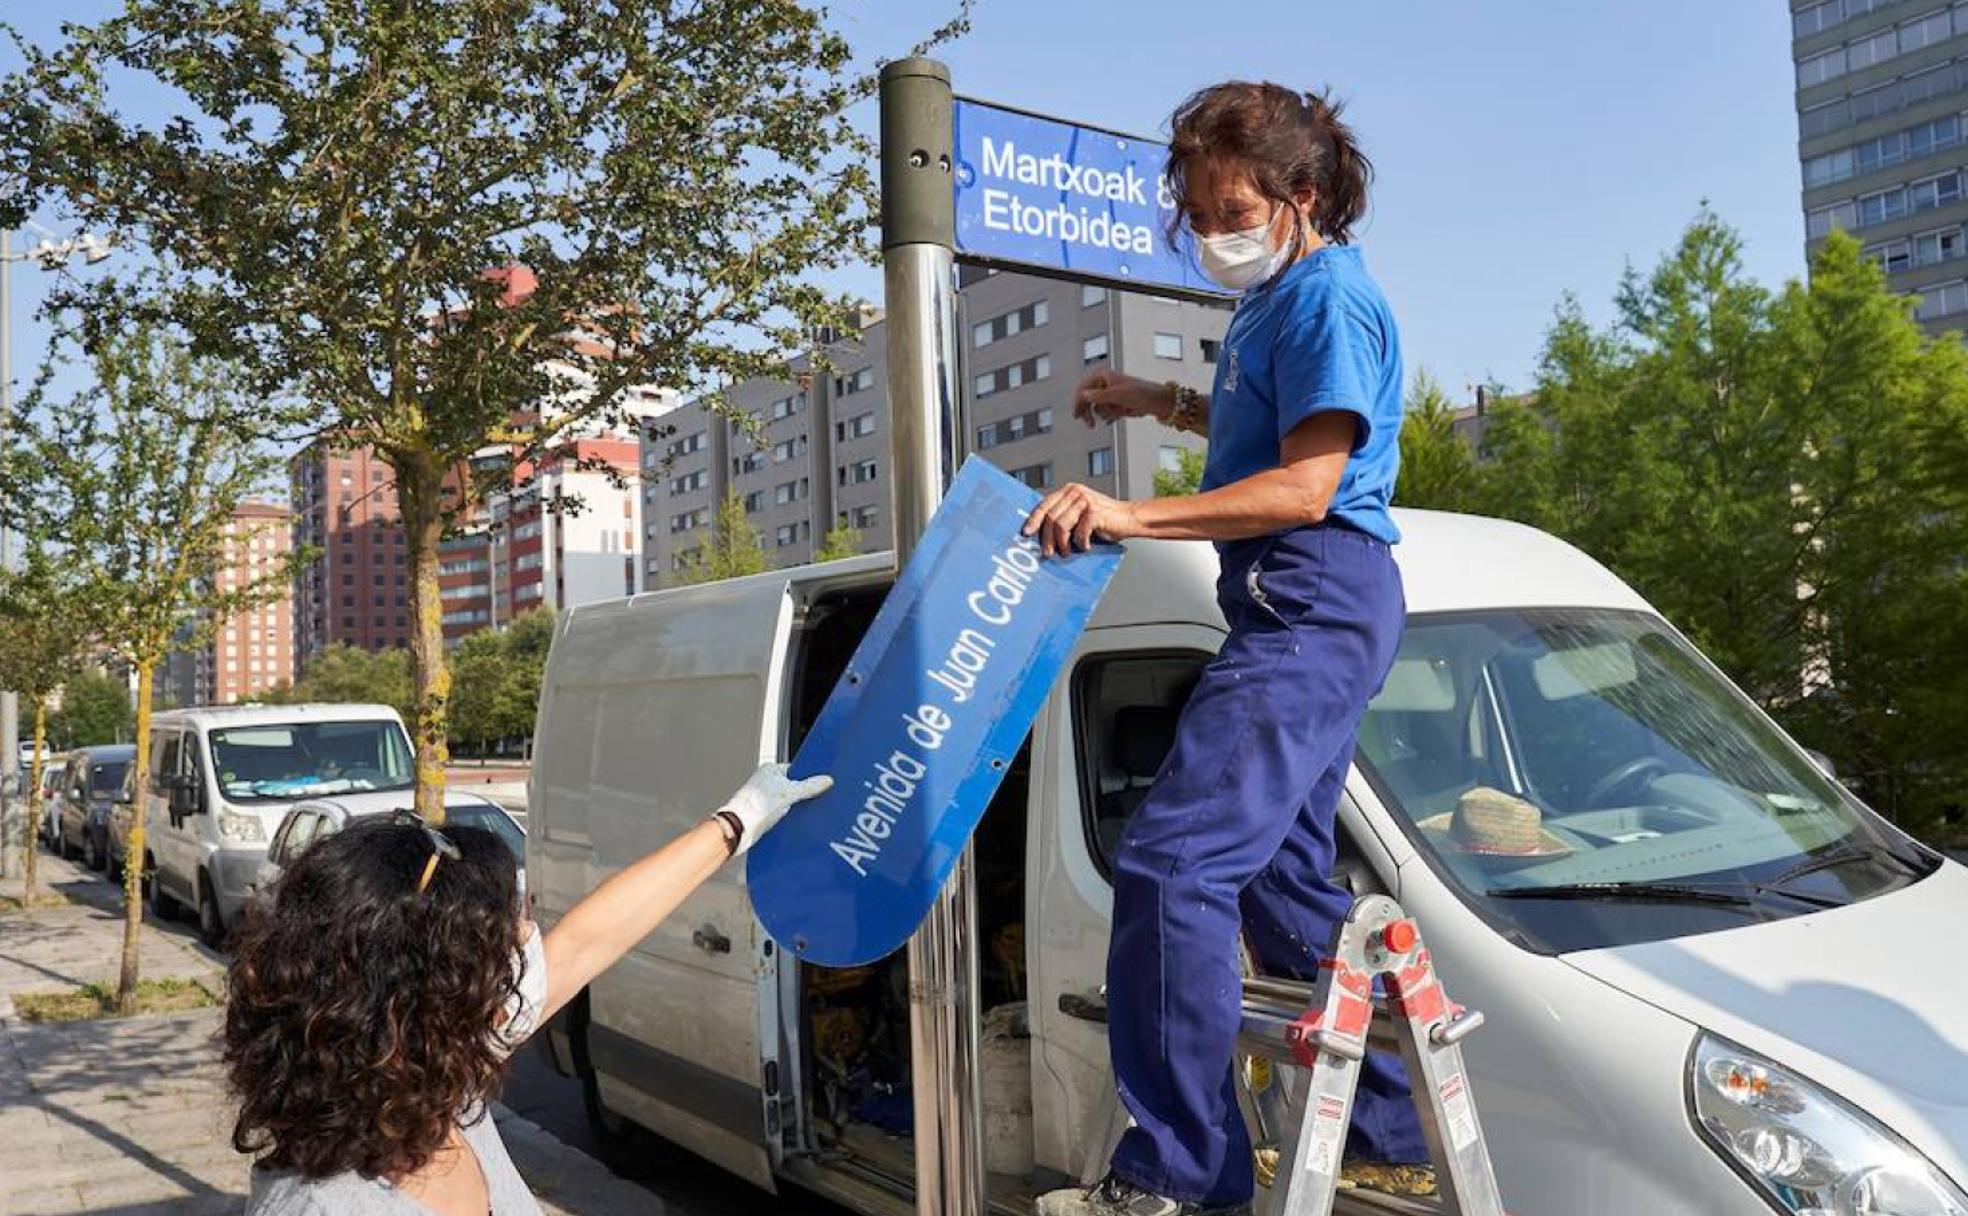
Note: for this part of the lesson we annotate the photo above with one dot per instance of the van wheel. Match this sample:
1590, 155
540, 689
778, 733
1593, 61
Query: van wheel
211, 925
161, 903
623, 1145
63, 849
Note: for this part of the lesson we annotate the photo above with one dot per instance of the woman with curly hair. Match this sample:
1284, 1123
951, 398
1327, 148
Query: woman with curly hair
377, 992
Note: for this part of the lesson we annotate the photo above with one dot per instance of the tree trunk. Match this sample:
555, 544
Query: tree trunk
420, 490
133, 856
34, 808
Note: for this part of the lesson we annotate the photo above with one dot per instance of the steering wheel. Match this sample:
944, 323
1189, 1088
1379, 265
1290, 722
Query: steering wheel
1626, 774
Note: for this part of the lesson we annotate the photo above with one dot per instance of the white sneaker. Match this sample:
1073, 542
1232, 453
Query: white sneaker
1116, 1196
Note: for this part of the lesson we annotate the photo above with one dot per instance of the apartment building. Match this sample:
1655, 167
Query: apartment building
821, 452
356, 589
566, 537
1882, 114
253, 650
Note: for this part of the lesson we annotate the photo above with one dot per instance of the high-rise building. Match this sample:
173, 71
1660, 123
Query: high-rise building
566, 537
253, 650
356, 590
1882, 114
816, 452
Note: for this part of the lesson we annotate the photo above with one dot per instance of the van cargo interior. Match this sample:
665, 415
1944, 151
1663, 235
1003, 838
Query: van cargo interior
855, 1051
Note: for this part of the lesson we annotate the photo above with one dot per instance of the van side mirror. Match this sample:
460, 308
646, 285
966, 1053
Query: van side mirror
187, 795
1823, 762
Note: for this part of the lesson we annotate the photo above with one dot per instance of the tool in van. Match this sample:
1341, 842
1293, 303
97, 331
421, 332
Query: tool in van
1313, 1036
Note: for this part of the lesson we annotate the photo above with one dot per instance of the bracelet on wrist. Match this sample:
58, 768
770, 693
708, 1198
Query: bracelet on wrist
733, 828
1186, 415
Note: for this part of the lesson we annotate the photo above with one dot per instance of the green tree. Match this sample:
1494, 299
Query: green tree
732, 549
41, 639
1778, 472
1438, 467
1185, 478
498, 680
437, 226
842, 540
348, 675
95, 708
134, 480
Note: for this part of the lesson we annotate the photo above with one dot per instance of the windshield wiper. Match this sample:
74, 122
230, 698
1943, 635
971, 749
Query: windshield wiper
1843, 853
1660, 892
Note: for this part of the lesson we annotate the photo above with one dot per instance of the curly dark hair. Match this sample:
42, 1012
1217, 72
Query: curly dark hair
360, 1013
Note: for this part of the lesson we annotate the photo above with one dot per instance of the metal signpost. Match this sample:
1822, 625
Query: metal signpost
1005, 188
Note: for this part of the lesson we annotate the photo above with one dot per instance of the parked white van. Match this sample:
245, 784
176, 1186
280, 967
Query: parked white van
1714, 988
222, 778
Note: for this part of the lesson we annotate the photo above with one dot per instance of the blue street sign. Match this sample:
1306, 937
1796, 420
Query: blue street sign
923, 724
1056, 196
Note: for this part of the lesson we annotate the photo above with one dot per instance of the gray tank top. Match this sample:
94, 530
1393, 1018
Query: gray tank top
285, 1193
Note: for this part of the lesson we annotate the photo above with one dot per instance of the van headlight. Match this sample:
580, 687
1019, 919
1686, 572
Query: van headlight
246, 829
1812, 1153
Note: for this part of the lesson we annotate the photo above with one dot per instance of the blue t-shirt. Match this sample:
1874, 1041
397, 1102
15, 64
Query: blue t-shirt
1319, 337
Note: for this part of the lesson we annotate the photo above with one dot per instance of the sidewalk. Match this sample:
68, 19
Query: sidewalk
128, 1117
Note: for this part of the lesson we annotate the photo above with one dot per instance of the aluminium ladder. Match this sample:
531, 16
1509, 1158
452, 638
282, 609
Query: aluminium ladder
1315, 1035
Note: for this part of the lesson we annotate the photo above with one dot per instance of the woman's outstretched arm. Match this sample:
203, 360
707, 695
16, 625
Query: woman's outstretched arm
629, 905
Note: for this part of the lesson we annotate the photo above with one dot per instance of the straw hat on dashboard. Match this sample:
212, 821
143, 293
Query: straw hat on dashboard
1491, 823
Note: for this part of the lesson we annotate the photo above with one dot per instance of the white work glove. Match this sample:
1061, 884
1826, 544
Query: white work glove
765, 798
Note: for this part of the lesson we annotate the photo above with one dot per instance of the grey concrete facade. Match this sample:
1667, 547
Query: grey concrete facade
823, 452
1882, 99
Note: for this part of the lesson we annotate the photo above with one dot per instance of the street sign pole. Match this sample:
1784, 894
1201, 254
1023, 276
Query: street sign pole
919, 284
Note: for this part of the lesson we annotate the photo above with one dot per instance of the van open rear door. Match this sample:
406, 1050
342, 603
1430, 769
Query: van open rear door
653, 711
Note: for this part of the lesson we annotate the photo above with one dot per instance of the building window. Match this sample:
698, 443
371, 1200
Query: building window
1934, 192
695, 480
1168, 459
1932, 247
1013, 376
786, 449
1094, 349
789, 491
857, 473
1942, 300
1100, 462
858, 427
1038, 476
1892, 256
1008, 430
754, 501
861, 517
1168, 346
785, 407
750, 462
688, 521
1017, 321
687, 445
1089, 296
1210, 347
854, 382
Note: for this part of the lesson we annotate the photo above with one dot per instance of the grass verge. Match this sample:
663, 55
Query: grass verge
99, 1000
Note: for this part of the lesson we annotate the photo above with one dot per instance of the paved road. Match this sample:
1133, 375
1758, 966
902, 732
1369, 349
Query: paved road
688, 1187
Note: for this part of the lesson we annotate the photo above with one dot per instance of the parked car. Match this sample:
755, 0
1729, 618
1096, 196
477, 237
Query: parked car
1711, 980
317, 819
91, 778
54, 772
222, 779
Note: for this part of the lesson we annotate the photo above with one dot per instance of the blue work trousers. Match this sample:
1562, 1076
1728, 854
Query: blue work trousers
1237, 833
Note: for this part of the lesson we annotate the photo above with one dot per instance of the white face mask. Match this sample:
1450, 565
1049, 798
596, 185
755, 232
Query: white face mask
524, 1007
1238, 261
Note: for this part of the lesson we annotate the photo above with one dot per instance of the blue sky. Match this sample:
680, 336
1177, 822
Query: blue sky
1525, 147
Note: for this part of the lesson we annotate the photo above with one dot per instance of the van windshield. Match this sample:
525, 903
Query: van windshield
279, 761
106, 777
1584, 778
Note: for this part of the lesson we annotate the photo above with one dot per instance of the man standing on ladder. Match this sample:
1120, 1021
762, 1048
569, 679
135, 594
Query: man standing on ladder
1304, 423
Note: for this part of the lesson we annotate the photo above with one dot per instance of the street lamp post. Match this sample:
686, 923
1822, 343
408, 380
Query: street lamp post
50, 253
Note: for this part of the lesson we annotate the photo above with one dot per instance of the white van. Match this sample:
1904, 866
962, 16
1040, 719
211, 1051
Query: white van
221, 779
1715, 989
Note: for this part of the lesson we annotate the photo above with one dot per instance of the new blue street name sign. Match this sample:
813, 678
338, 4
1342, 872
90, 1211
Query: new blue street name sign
920, 730
1055, 196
